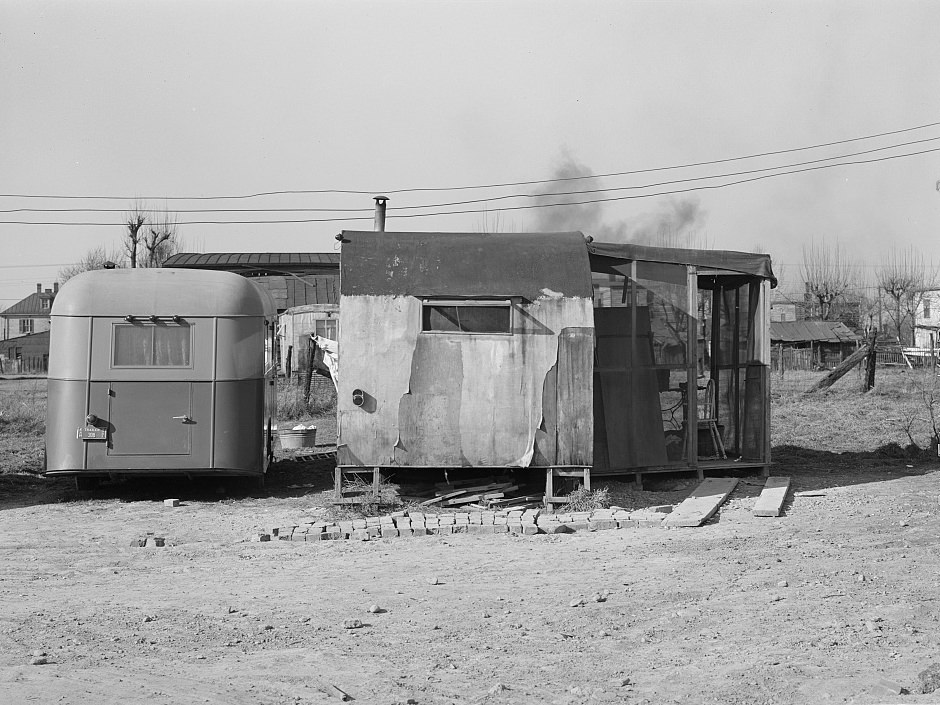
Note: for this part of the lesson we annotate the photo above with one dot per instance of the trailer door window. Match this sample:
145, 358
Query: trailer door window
152, 345
470, 316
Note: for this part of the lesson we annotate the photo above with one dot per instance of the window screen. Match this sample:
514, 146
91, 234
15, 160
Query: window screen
141, 345
466, 317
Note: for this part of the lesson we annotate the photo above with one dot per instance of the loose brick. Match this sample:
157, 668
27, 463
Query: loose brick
389, 532
345, 527
419, 530
500, 521
402, 523
359, 523
373, 521
386, 521
461, 528
626, 524
481, 529
314, 536
476, 517
299, 536
359, 535
374, 531
416, 516
443, 530
650, 523
599, 525
514, 526
334, 535
575, 525
501, 528
171, 503
256, 537
529, 529
405, 533
446, 520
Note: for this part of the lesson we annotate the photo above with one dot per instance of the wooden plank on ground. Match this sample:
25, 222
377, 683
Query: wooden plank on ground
704, 501
771, 497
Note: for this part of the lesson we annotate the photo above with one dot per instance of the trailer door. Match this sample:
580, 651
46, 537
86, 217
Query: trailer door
150, 418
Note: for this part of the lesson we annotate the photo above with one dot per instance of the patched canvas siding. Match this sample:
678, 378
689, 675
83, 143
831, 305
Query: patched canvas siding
458, 399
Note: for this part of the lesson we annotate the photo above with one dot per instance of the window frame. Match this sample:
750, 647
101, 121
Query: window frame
507, 302
153, 327
27, 326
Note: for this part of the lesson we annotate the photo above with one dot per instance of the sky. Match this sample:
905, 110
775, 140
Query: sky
188, 104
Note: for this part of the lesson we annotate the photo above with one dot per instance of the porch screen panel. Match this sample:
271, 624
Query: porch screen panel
642, 322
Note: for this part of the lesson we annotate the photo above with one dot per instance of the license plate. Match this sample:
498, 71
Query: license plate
90, 433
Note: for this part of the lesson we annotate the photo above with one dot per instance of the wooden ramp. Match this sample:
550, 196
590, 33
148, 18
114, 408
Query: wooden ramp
772, 497
702, 503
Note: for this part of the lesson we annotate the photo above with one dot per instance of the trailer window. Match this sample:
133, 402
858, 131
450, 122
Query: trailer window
471, 316
152, 345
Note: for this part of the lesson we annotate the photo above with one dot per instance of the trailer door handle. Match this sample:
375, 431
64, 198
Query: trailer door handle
185, 418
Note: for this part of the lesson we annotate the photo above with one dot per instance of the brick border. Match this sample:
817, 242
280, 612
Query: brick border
481, 522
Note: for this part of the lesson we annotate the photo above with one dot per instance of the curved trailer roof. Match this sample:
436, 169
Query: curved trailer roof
161, 292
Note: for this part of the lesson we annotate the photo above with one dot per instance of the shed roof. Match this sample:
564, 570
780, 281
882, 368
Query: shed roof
236, 261
724, 260
144, 292
465, 264
815, 331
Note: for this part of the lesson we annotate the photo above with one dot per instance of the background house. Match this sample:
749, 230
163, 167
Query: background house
31, 315
24, 333
927, 320
809, 345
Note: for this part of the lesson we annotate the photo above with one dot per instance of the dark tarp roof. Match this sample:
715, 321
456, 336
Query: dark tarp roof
727, 260
815, 331
465, 264
238, 261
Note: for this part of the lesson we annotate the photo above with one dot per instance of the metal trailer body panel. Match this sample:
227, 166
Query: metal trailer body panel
161, 372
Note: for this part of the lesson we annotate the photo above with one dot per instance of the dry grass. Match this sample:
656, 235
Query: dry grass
584, 500
23, 407
292, 405
845, 418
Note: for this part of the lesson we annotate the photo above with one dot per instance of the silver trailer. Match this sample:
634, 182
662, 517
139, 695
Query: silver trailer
160, 372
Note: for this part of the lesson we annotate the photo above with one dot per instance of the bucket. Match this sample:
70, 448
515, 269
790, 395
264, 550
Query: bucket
297, 438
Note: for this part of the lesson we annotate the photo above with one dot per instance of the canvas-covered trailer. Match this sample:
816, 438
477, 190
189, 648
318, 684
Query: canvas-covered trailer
160, 371
545, 350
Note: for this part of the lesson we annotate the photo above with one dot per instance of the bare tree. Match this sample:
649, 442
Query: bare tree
135, 219
95, 258
905, 278
161, 240
827, 276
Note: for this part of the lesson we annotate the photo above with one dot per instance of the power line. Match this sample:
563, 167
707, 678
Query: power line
393, 214
479, 200
480, 186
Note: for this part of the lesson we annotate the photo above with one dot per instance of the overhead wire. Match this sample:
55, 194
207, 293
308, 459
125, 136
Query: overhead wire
491, 199
479, 186
393, 213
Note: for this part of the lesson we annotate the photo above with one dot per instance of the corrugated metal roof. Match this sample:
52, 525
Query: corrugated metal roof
815, 331
237, 261
465, 264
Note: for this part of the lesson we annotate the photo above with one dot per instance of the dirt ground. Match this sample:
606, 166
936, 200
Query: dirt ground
814, 606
